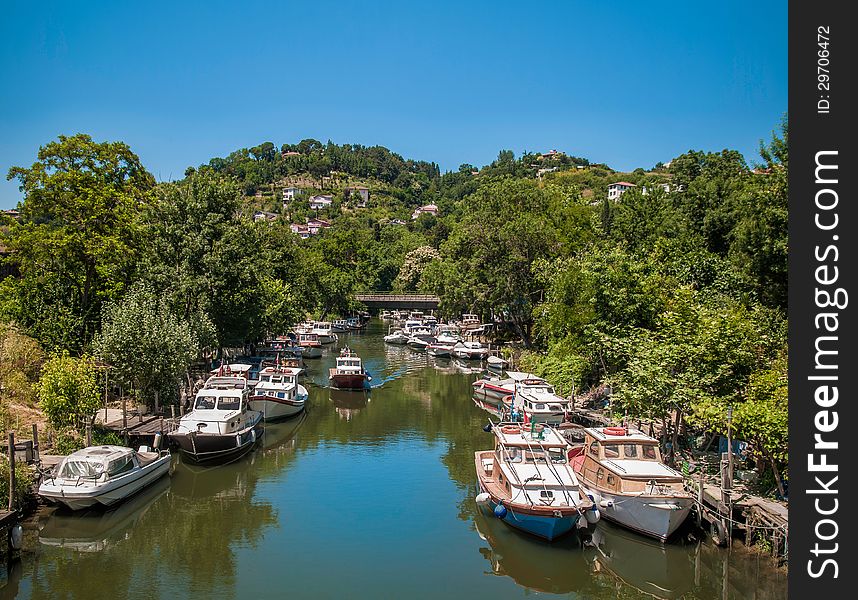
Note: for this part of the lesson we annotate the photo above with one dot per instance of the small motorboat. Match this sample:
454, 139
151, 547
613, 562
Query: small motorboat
278, 394
221, 428
349, 373
325, 332
470, 351
622, 468
398, 338
528, 483
103, 475
496, 363
312, 347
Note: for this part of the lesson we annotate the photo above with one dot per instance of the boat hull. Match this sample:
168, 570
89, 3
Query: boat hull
217, 448
80, 497
490, 394
347, 381
547, 527
273, 409
653, 516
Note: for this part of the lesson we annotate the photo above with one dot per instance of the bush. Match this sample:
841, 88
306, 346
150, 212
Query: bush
23, 486
69, 391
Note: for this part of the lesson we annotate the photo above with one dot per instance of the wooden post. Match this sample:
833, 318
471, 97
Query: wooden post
157, 404
11, 471
173, 411
729, 477
105, 396
36, 444
88, 435
700, 498
124, 411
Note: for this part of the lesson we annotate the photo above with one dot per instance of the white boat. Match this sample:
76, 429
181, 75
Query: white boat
325, 332
535, 400
470, 351
526, 481
440, 350
622, 468
221, 427
496, 363
310, 343
398, 338
446, 336
340, 326
349, 374
469, 321
103, 475
278, 394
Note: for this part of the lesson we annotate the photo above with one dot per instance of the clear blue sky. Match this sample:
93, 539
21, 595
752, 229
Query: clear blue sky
629, 83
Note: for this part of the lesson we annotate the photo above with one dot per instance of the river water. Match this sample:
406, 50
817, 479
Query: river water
368, 495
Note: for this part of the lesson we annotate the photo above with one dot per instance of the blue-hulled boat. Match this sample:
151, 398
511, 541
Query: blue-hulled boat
528, 483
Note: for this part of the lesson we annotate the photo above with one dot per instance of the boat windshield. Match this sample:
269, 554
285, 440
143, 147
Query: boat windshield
72, 469
205, 403
229, 403
536, 455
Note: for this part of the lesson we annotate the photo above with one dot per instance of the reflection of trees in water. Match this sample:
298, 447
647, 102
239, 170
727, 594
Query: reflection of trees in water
188, 533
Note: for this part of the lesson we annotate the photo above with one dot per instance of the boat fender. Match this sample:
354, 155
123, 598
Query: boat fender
252, 436
487, 427
500, 511
482, 498
16, 536
606, 503
593, 516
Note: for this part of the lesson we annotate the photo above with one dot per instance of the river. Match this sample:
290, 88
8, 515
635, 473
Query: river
367, 495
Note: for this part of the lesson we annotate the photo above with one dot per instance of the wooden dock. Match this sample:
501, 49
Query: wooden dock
142, 428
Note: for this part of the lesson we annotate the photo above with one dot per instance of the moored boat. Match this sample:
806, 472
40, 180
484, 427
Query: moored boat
220, 428
440, 350
310, 343
398, 338
325, 332
623, 470
278, 394
470, 351
349, 373
527, 482
103, 475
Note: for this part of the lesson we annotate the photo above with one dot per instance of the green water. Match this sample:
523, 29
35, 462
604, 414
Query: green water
368, 495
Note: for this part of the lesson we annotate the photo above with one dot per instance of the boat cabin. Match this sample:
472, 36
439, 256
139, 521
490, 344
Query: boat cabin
624, 460
308, 339
97, 462
349, 363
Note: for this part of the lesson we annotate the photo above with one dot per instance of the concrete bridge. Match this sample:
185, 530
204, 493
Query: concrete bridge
398, 301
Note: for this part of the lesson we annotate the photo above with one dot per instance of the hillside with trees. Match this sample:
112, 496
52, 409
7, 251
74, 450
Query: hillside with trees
672, 295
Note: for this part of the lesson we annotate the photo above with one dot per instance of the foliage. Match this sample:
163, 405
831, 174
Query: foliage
21, 360
23, 484
75, 245
415, 263
69, 391
147, 346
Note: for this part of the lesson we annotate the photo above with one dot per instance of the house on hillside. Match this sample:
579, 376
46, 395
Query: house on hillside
301, 230
664, 186
13, 213
317, 225
362, 194
550, 154
429, 209
615, 190
290, 193
542, 172
261, 215
398, 222
290, 153
321, 201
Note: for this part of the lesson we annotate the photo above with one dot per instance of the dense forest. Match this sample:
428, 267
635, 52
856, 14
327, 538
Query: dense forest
672, 295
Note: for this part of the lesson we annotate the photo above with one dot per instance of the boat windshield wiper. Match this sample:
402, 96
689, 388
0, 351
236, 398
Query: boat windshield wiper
534, 478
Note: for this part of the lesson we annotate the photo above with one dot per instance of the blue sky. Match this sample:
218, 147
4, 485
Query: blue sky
626, 83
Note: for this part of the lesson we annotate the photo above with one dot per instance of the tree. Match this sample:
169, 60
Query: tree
415, 263
148, 346
76, 242
69, 391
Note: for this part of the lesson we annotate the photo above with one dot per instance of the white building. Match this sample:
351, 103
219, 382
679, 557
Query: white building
615, 190
320, 202
290, 193
429, 209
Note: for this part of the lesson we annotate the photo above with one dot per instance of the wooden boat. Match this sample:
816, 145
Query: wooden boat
310, 343
221, 428
527, 482
278, 394
325, 332
622, 468
349, 373
103, 475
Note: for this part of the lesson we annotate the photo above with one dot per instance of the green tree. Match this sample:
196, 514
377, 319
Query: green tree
147, 346
76, 242
69, 391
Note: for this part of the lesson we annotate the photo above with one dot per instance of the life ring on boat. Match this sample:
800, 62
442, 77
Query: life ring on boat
511, 429
614, 430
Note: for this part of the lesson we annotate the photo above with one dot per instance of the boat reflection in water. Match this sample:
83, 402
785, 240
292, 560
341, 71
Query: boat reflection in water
559, 567
348, 403
97, 529
570, 565
660, 570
